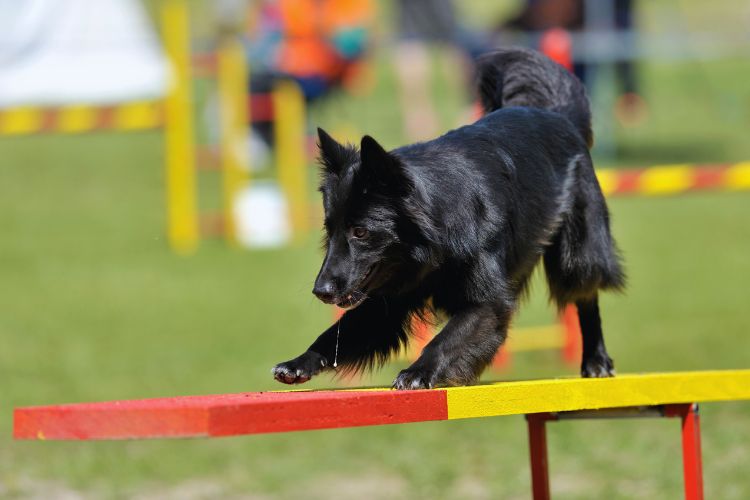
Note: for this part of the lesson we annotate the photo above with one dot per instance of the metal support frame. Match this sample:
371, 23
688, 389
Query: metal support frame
691, 443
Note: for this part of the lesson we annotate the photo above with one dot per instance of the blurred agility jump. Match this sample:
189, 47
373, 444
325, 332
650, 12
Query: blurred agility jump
110, 107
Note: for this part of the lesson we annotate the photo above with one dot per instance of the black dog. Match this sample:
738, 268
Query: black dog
459, 223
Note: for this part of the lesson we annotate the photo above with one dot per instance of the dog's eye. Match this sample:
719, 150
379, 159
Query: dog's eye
359, 232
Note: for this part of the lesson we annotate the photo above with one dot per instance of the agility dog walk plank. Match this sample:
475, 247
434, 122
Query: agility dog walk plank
267, 412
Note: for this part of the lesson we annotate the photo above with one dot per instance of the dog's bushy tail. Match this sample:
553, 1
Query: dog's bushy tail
523, 77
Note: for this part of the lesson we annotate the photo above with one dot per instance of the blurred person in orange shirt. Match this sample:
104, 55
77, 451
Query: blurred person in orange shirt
320, 44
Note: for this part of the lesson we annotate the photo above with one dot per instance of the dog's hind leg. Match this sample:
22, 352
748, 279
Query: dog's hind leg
581, 260
461, 351
577, 280
576, 285
595, 362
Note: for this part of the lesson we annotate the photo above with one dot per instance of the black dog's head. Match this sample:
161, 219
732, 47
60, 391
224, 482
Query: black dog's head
361, 194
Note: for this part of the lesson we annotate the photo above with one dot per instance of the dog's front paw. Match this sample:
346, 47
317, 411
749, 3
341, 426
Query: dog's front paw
414, 378
598, 366
300, 369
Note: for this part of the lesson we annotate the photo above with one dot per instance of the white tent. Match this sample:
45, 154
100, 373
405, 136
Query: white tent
56, 52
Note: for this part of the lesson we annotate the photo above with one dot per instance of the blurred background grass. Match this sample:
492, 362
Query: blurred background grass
93, 306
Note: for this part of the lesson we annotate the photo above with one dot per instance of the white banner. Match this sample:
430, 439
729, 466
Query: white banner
55, 52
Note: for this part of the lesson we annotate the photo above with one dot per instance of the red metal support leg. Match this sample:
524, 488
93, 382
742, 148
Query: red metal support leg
691, 454
538, 455
691, 442
692, 464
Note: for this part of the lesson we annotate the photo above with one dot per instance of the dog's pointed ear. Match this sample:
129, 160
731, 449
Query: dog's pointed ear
378, 163
333, 156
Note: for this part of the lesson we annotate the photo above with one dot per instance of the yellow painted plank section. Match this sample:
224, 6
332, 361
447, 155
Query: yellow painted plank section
738, 176
74, 119
666, 179
537, 396
16, 121
607, 180
137, 115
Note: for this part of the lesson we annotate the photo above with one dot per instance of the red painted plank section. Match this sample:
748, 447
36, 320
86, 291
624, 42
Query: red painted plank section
228, 415
168, 417
710, 176
627, 181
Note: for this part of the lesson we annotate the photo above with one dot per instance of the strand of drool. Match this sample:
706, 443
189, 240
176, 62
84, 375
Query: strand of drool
336, 353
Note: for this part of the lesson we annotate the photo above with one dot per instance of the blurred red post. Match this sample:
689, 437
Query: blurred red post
421, 330
502, 359
571, 351
558, 46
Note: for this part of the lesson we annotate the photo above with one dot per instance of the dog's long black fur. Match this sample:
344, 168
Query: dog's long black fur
458, 224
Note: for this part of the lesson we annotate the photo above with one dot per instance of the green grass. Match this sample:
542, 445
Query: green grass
93, 306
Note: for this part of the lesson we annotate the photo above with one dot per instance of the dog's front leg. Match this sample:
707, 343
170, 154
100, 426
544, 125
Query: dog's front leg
361, 338
461, 351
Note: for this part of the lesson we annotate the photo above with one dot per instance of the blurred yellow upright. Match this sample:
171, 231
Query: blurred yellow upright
182, 214
289, 137
232, 75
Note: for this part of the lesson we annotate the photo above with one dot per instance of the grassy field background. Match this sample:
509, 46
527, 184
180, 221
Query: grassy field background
93, 306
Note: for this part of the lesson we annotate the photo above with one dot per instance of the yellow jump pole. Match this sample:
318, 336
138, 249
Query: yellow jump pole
289, 137
182, 212
232, 75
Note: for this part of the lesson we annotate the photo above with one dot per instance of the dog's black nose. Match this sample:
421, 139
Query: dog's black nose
325, 292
